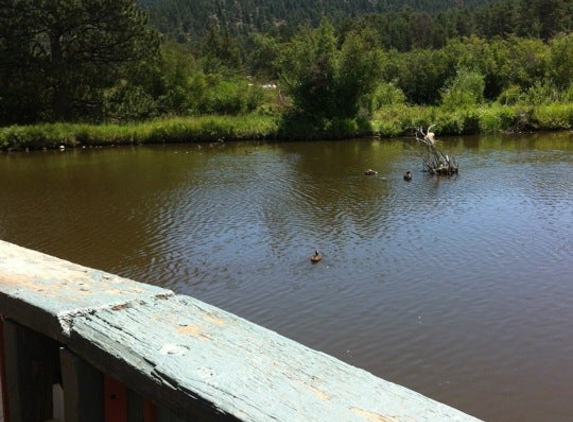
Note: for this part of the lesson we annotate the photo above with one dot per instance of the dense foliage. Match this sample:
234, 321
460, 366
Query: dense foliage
100, 61
327, 78
61, 58
402, 24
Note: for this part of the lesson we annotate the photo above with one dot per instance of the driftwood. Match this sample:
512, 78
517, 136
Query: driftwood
436, 162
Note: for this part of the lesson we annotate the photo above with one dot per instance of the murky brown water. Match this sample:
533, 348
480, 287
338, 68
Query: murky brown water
459, 288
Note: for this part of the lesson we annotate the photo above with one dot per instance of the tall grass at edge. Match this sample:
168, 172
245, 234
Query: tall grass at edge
166, 130
389, 122
556, 116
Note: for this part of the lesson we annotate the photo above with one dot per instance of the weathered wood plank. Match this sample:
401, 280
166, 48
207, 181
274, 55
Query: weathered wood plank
83, 393
196, 361
45, 293
207, 361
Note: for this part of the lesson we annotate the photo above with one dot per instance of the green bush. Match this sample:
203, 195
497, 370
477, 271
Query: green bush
553, 116
231, 97
489, 121
464, 90
386, 94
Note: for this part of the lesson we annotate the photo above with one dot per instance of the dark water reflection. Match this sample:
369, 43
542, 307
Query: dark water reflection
460, 288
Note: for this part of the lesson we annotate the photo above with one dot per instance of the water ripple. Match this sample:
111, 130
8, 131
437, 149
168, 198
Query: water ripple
426, 283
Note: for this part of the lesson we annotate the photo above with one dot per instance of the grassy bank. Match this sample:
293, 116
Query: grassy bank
389, 122
176, 129
487, 119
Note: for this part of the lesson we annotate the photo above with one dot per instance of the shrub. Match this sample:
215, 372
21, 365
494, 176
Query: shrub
464, 90
553, 116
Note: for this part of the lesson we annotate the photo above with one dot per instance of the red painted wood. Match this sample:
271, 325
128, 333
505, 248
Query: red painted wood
5, 410
149, 411
115, 400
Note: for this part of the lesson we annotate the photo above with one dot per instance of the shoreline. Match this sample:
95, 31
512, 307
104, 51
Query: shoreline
387, 123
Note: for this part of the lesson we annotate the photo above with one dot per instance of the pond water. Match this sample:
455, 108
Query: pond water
460, 288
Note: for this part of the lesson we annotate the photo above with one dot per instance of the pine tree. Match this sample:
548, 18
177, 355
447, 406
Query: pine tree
72, 50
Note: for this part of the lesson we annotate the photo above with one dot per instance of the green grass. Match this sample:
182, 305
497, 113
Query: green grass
553, 116
483, 119
166, 130
388, 122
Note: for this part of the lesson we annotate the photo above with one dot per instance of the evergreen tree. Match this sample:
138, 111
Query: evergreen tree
544, 18
71, 51
498, 19
20, 98
221, 50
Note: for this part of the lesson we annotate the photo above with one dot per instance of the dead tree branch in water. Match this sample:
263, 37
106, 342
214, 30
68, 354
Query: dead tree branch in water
435, 161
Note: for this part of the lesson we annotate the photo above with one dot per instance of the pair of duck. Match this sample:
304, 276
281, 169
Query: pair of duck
370, 172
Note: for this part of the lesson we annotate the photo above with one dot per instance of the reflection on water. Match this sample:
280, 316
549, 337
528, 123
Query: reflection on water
460, 288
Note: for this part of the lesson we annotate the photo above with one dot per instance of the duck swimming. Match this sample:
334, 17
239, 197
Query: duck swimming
370, 172
315, 257
408, 176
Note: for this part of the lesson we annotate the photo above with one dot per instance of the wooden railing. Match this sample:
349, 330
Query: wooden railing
115, 350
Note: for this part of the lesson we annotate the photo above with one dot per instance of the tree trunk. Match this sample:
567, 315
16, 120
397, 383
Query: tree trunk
60, 99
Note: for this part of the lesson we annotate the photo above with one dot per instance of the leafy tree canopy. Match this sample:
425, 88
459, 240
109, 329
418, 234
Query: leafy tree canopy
328, 77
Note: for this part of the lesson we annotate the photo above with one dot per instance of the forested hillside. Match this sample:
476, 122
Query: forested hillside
186, 19
322, 63
402, 24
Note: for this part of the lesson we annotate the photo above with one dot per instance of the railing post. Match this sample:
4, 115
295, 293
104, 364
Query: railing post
166, 416
135, 410
115, 400
83, 389
4, 398
149, 411
140, 409
32, 367
144, 410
